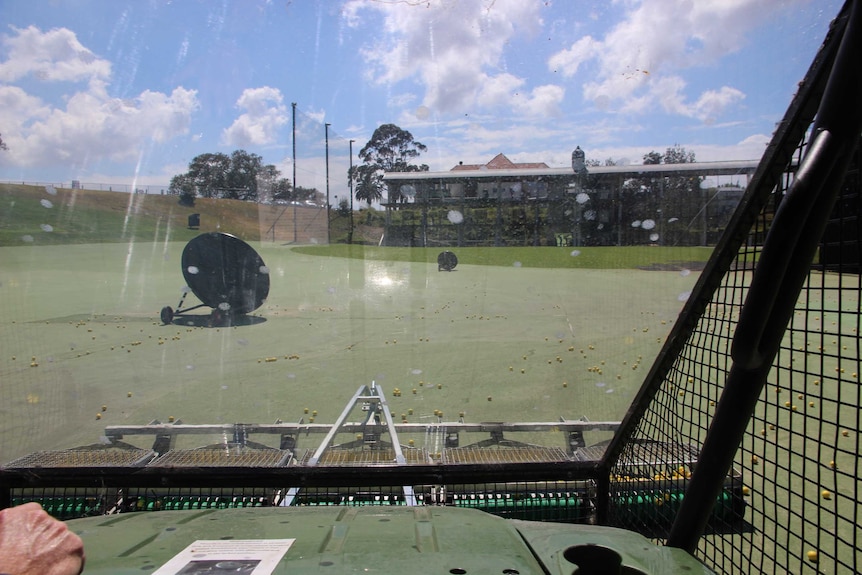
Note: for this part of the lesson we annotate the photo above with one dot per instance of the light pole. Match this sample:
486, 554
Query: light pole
350, 183
293, 124
328, 218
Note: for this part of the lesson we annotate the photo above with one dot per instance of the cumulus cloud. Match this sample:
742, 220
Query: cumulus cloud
92, 126
455, 51
639, 61
52, 56
87, 125
265, 114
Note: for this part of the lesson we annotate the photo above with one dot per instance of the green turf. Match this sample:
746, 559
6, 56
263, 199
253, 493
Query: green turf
89, 315
627, 257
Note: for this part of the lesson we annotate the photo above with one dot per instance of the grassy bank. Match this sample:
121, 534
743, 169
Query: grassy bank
34, 215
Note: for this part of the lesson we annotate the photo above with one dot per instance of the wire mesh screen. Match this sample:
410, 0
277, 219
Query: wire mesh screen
793, 497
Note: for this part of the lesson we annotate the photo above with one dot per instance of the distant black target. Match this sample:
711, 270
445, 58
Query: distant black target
446, 261
225, 273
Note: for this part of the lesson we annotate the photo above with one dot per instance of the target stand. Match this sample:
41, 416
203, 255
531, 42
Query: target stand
225, 274
446, 261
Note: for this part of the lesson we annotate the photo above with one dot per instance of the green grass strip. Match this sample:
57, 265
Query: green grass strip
627, 257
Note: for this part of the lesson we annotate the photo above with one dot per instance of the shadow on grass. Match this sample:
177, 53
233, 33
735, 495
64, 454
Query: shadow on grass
211, 320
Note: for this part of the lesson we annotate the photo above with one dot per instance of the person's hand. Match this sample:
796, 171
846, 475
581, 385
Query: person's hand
34, 543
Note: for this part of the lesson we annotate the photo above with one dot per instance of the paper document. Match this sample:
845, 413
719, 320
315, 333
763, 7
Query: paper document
228, 556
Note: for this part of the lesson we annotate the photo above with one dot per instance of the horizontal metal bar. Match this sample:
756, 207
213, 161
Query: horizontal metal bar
117, 431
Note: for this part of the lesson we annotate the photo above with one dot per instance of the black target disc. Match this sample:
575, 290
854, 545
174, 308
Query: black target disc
225, 273
446, 261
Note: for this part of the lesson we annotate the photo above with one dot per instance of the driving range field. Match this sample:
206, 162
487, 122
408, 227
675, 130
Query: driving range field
83, 347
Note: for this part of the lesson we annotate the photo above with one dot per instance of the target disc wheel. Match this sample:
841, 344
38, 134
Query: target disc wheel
225, 273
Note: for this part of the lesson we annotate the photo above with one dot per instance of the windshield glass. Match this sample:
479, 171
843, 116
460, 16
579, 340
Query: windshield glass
243, 212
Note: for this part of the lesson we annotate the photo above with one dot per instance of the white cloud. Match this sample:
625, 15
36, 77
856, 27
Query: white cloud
52, 56
261, 123
568, 61
93, 126
89, 125
455, 51
640, 60
542, 101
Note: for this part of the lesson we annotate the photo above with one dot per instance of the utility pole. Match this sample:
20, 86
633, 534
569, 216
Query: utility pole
293, 109
350, 183
328, 219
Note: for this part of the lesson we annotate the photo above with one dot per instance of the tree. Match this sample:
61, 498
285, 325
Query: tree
652, 158
209, 173
678, 155
183, 186
2, 143
390, 149
242, 176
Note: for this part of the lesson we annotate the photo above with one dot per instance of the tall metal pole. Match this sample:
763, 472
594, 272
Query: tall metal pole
350, 183
293, 110
328, 233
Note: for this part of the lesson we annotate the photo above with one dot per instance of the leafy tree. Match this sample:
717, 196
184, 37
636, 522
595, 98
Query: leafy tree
343, 209
390, 149
282, 190
183, 186
678, 155
267, 179
242, 176
652, 158
2, 143
209, 173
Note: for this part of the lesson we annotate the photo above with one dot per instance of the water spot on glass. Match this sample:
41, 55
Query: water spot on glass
291, 376
684, 272
224, 387
648, 224
653, 237
264, 270
27, 238
582, 198
602, 101
517, 264
422, 113
190, 367
455, 216
192, 269
683, 296
242, 341
601, 226
601, 384
331, 289
636, 224
609, 391
224, 306
575, 253
672, 220
185, 289
47, 228
50, 190
590, 215
46, 203
416, 371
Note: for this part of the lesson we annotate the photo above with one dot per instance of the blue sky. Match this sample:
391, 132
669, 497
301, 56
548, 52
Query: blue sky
128, 92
